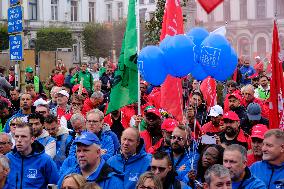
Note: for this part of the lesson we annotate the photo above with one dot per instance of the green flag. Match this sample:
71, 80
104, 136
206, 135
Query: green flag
125, 89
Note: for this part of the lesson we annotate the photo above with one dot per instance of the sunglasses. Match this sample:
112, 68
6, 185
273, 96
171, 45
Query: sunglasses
228, 121
173, 137
155, 168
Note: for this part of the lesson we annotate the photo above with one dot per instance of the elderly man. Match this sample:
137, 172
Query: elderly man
4, 171
217, 176
95, 101
62, 107
91, 165
271, 168
235, 159
132, 160
5, 143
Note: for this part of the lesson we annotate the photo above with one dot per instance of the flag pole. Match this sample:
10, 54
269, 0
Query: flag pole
138, 50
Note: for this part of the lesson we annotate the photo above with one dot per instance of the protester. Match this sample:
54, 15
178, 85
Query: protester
149, 180
73, 180
6, 143
246, 70
84, 75
217, 176
33, 79
235, 159
5, 114
62, 106
132, 160
263, 90
215, 125
4, 171
271, 168
94, 102
15, 99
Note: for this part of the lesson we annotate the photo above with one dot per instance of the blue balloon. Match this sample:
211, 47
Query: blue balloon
179, 55
164, 43
151, 65
217, 57
197, 35
197, 72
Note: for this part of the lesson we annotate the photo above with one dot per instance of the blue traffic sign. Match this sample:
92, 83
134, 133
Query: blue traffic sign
13, 2
16, 47
15, 19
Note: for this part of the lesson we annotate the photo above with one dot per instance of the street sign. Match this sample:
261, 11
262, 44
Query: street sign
16, 47
15, 19
14, 2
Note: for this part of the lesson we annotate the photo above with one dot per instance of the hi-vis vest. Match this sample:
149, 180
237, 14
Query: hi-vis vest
36, 84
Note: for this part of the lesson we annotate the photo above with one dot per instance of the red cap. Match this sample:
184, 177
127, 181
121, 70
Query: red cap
169, 124
154, 111
76, 88
258, 131
231, 115
236, 95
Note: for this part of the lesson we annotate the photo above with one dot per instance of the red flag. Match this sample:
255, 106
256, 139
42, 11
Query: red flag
276, 85
209, 5
208, 89
171, 89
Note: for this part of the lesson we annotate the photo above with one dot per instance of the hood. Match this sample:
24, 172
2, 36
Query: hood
37, 149
43, 134
62, 130
106, 127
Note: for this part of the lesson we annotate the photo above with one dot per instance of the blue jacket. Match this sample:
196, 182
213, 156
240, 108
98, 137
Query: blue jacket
104, 175
249, 182
36, 170
246, 72
188, 158
267, 173
132, 167
116, 144
7, 124
68, 163
106, 144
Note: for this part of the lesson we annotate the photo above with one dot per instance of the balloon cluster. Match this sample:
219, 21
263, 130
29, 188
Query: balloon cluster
196, 52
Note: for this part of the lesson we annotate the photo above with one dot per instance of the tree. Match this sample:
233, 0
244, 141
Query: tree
4, 37
49, 39
118, 33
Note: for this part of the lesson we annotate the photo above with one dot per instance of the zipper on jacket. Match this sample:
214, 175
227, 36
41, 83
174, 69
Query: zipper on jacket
17, 180
271, 177
22, 174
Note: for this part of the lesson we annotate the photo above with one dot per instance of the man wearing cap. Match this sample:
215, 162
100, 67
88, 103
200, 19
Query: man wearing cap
257, 136
91, 165
232, 88
271, 168
232, 134
30, 78
153, 133
132, 160
85, 75
235, 105
214, 126
62, 106
253, 117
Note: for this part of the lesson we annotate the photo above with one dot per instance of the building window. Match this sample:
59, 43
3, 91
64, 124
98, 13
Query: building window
227, 11
244, 47
152, 1
74, 11
279, 7
109, 12
243, 9
32, 9
92, 8
260, 9
120, 10
54, 9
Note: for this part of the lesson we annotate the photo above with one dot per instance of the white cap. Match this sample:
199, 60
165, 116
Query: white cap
257, 57
40, 102
63, 92
216, 111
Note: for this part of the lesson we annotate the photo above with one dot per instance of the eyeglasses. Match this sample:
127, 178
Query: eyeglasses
13, 124
173, 137
155, 168
93, 121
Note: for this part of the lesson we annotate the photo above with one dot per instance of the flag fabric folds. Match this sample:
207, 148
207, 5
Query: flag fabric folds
125, 85
209, 5
171, 89
276, 85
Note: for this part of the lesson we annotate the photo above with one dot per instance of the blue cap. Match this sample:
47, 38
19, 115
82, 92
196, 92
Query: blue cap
87, 138
254, 111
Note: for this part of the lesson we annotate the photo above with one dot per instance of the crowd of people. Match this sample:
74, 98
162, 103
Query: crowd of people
56, 134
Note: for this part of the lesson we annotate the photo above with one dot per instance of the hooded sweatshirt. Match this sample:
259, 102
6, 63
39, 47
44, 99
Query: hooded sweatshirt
48, 142
34, 171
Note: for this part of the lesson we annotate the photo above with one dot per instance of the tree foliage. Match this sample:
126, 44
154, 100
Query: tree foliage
4, 37
99, 39
49, 39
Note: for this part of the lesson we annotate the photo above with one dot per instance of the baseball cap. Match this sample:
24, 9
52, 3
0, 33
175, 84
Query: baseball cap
257, 57
231, 116
258, 131
87, 138
63, 92
40, 102
254, 111
236, 95
216, 111
169, 124
154, 111
29, 69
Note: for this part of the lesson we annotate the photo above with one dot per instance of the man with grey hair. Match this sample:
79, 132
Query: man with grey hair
94, 102
6, 143
235, 159
4, 171
78, 123
271, 168
217, 176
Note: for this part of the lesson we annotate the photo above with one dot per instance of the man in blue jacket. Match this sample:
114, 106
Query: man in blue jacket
132, 160
246, 71
271, 168
235, 159
30, 167
91, 165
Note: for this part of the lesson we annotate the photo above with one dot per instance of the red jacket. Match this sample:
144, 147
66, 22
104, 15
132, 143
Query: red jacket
126, 115
210, 128
252, 159
148, 140
88, 105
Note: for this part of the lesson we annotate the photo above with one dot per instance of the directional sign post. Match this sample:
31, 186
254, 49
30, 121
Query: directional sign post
16, 47
15, 19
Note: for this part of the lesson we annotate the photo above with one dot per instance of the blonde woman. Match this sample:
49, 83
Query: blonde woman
150, 181
73, 181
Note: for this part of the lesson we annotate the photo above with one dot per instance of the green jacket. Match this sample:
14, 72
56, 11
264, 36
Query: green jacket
88, 79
